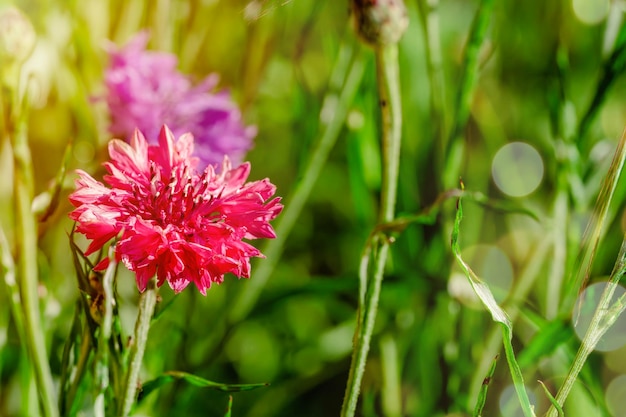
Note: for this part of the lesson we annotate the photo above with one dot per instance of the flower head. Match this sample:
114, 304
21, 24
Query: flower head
173, 221
144, 90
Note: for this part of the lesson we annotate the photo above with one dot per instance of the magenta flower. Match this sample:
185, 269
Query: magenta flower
144, 90
172, 220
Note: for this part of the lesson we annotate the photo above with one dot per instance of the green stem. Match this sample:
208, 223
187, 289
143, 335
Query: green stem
469, 74
274, 248
365, 328
27, 270
391, 111
429, 12
102, 362
603, 318
147, 304
390, 105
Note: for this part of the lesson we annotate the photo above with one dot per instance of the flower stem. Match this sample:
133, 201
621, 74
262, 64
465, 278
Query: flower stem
390, 105
26, 246
147, 304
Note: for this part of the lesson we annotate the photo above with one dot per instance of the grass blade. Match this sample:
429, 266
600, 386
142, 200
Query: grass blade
482, 396
171, 376
497, 313
595, 228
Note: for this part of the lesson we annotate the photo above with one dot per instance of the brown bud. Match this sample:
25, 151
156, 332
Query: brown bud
380, 22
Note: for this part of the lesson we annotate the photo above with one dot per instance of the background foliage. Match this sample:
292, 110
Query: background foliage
547, 74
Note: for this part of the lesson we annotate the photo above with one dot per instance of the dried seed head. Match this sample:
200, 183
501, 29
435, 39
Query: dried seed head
380, 22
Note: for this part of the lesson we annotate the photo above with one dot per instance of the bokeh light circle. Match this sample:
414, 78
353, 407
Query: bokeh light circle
517, 169
493, 266
591, 12
615, 337
615, 396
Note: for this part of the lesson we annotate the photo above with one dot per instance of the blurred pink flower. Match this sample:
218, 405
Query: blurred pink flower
172, 220
144, 90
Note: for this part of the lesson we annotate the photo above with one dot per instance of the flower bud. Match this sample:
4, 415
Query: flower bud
17, 36
380, 22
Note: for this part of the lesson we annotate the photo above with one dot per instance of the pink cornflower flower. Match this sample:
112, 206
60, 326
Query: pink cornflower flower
144, 90
176, 222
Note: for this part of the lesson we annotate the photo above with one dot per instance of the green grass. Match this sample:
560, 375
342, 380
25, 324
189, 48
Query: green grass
472, 77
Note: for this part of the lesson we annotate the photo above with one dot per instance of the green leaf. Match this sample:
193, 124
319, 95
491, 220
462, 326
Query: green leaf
480, 288
195, 380
482, 396
550, 336
497, 313
552, 400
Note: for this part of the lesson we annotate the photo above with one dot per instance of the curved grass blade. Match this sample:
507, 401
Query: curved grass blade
552, 400
194, 380
497, 313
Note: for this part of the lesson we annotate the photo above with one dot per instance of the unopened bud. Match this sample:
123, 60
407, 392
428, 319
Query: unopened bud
380, 22
17, 36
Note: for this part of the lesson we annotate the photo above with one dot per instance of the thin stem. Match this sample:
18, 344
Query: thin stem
391, 111
603, 318
390, 105
469, 74
147, 304
365, 328
246, 300
559, 261
27, 269
429, 12
102, 363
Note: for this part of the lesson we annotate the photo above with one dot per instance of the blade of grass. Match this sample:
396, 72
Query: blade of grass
469, 74
595, 229
351, 70
482, 396
171, 376
613, 67
429, 14
498, 314
552, 400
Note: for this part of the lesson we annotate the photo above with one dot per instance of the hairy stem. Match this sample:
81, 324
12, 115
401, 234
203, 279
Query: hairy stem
147, 304
390, 105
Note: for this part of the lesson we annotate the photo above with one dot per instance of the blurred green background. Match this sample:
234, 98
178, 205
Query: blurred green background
526, 142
